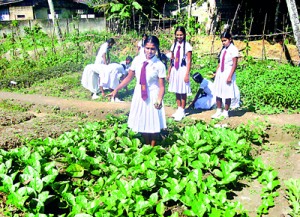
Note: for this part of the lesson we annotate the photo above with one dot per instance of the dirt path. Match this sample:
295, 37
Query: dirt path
97, 109
51, 116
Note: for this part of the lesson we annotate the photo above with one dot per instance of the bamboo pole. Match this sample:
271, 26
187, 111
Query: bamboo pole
236, 11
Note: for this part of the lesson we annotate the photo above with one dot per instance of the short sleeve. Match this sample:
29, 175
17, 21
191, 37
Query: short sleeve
188, 47
161, 70
234, 51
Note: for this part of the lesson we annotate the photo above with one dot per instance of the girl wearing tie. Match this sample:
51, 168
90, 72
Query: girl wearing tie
179, 71
225, 86
147, 114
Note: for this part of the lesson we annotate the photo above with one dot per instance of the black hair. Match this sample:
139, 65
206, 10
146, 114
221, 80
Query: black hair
226, 34
111, 41
154, 40
197, 77
129, 58
143, 41
181, 29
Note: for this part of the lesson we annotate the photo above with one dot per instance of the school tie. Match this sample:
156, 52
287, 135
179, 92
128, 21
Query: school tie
223, 60
177, 58
143, 81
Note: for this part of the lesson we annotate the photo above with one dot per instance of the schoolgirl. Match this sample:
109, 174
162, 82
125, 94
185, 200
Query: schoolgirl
103, 52
179, 71
225, 85
147, 114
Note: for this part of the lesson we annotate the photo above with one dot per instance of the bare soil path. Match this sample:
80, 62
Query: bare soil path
50, 116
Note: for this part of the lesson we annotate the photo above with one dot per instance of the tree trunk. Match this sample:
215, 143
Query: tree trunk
294, 17
189, 12
55, 23
276, 16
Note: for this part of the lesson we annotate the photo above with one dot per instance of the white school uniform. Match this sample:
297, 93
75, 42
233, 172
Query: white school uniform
222, 89
103, 50
176, 80
96, 75
142, 48
90, 77
208, 101
143, 116
110, 74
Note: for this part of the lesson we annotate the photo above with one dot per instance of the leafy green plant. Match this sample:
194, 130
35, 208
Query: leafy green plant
293, 195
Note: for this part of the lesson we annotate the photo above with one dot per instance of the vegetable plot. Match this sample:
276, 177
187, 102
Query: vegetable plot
104, 169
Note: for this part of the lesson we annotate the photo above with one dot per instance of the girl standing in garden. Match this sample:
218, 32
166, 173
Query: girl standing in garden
103, 52
225, 86
179, 71
147, 114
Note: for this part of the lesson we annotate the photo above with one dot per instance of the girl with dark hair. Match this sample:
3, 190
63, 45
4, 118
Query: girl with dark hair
141, 44
103, 52
147, 114
225, 85
179, 71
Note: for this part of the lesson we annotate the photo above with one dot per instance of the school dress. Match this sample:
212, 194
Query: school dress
176, 80
143, 116
142, 48
90, 77
103, 50
126, 66
222, 89
110, 74
208, 100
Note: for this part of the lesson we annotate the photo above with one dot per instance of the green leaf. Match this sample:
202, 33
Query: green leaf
37, 184
69, 198
153, 198
137, 6
75, 170
7, 184
28, 191
177, 161
160, 208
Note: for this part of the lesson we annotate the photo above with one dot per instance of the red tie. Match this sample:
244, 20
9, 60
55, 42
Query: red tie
177, 58
143, 81
223, 60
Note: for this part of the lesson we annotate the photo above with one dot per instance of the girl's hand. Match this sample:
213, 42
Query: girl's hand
112, 94
158, 105
187, 78
229, 80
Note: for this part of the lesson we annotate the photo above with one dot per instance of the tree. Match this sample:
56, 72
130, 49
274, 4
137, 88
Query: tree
55, 23
294, 17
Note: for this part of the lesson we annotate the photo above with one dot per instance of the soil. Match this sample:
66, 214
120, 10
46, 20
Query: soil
45, 116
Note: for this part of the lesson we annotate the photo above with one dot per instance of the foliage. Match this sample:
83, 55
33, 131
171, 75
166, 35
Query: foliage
293, 195
266, 84
103, 169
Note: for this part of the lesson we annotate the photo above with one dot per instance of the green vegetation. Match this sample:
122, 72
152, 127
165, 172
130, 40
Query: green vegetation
103, 168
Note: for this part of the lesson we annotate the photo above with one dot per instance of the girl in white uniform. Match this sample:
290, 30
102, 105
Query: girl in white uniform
98, 77
147, 115
179, 71
204, 98
225, 85
102, 56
